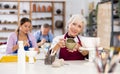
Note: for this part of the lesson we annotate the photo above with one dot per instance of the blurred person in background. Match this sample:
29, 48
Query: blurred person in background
43, 35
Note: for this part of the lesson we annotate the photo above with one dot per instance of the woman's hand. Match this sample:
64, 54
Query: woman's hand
15, 47
84, 52
26, 43
61, 43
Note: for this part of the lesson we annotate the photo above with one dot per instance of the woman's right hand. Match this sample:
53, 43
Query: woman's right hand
26, 43
61, 43
15, 47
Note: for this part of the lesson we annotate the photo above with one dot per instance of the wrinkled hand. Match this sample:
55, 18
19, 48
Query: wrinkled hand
84, 52
75, 48
61, 43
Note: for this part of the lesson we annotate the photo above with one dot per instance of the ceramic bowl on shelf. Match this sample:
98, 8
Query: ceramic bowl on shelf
59, 24
58, 11
14, 6
6, 6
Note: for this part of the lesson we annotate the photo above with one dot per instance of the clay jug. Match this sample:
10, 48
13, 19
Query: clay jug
59, 24
43, 8
49, 8
34, 7
39, 9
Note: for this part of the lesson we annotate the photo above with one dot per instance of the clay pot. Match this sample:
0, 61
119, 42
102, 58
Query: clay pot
49, 8
12, 12
25, 11
39, 9
14, 6
59, 24
34, 7
58, 11
43, 9
6, 6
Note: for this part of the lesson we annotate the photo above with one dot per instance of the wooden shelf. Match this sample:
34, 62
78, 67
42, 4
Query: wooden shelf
7, 30
3, 38
50, 16
8, 9
58, 14
8, 23
8, 14
25, 14
42, 12
41, 19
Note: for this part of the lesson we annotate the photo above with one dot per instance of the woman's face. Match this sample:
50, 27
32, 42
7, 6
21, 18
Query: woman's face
26, 27
75, 27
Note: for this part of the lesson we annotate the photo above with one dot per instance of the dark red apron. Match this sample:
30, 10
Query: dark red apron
66, 55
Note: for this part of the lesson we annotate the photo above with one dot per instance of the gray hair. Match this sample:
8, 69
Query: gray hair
74, 17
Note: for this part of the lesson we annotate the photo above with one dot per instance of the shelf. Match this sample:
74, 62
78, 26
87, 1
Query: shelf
58, 14
42, 12
49, 18
25, 14
41, 19
9, 23
26, 10
3, 38
7, 30
8, 9
7, 14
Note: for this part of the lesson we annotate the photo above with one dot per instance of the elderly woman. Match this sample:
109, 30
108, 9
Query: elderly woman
75, 26
22, 34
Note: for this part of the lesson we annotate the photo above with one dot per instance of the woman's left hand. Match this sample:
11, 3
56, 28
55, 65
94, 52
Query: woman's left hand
26, 43
84, 52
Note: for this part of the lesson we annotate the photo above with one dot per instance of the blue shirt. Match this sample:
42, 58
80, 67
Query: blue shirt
38, 35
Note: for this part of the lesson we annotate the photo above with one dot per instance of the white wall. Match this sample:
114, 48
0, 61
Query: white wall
75, 7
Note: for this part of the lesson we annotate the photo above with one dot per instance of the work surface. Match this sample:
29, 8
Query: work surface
70, 67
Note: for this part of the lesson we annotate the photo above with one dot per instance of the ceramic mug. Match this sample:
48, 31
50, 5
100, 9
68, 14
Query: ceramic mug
70, 43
